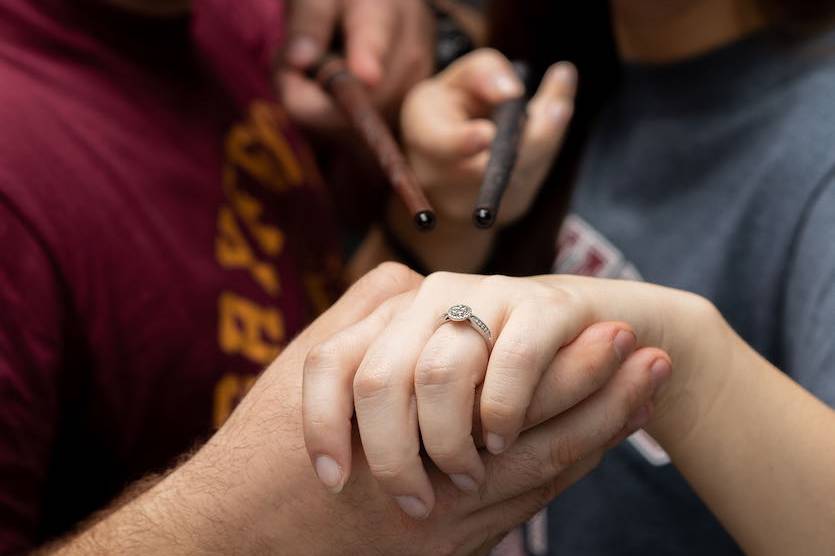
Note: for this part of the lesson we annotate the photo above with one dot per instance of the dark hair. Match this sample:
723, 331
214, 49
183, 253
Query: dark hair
545, 31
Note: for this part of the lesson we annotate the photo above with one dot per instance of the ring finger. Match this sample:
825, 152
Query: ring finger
448, 371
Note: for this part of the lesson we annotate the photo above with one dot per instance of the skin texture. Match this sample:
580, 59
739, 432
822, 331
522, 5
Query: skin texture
251, 490
401, 373
756, 447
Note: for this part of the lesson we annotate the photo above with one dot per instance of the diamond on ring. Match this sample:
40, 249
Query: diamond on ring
463, 313
459, 313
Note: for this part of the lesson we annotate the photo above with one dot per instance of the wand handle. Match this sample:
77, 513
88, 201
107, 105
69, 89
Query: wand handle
510, 117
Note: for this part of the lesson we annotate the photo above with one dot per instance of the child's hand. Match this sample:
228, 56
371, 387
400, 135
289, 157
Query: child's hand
447, 131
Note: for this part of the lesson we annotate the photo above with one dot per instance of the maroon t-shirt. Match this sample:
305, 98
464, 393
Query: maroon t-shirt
163, 233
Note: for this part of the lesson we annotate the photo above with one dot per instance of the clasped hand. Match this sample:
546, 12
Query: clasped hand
557, 387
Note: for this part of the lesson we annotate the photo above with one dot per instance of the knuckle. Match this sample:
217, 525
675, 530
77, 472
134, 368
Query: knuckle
434, 369
391, 275
444, 451
562, 453
497, 409
321, 357
388, 470
437, 280
514, 354
495, 282
370, 385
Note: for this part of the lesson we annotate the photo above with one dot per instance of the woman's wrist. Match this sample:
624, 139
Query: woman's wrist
703, 346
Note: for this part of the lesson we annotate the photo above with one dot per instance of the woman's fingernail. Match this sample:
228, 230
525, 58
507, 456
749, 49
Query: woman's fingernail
661, 372
640, 418
329, 472
495, 443
507, 86
413, 506
464, 482
303, 51
624, 344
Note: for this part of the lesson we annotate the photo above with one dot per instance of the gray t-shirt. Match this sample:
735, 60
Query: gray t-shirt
714, 175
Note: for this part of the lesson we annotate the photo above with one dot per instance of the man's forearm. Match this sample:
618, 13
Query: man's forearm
140, 521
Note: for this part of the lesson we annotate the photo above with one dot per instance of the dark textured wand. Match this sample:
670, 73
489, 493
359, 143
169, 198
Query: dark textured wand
510, 118
351, 96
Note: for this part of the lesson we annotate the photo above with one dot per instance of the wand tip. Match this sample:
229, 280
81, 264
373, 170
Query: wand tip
483, 218
425, 220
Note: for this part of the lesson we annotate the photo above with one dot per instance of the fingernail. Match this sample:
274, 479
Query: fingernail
495, 443
661, 371
303, 51
640, 418
412, 506
624, 344
329, 472
565, 74
507, 86
464, 482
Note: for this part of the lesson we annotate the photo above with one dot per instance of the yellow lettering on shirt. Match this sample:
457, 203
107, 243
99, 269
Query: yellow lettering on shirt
245, 328
270, 239
245, 151
267, 120
233, 251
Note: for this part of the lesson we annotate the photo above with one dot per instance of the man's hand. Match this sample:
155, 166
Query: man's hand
389, 45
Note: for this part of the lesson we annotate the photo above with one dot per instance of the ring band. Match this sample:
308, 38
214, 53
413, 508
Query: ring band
463, 313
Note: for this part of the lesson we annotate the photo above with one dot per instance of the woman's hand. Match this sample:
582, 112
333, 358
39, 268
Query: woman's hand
448, 132
411, 380
754, 445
